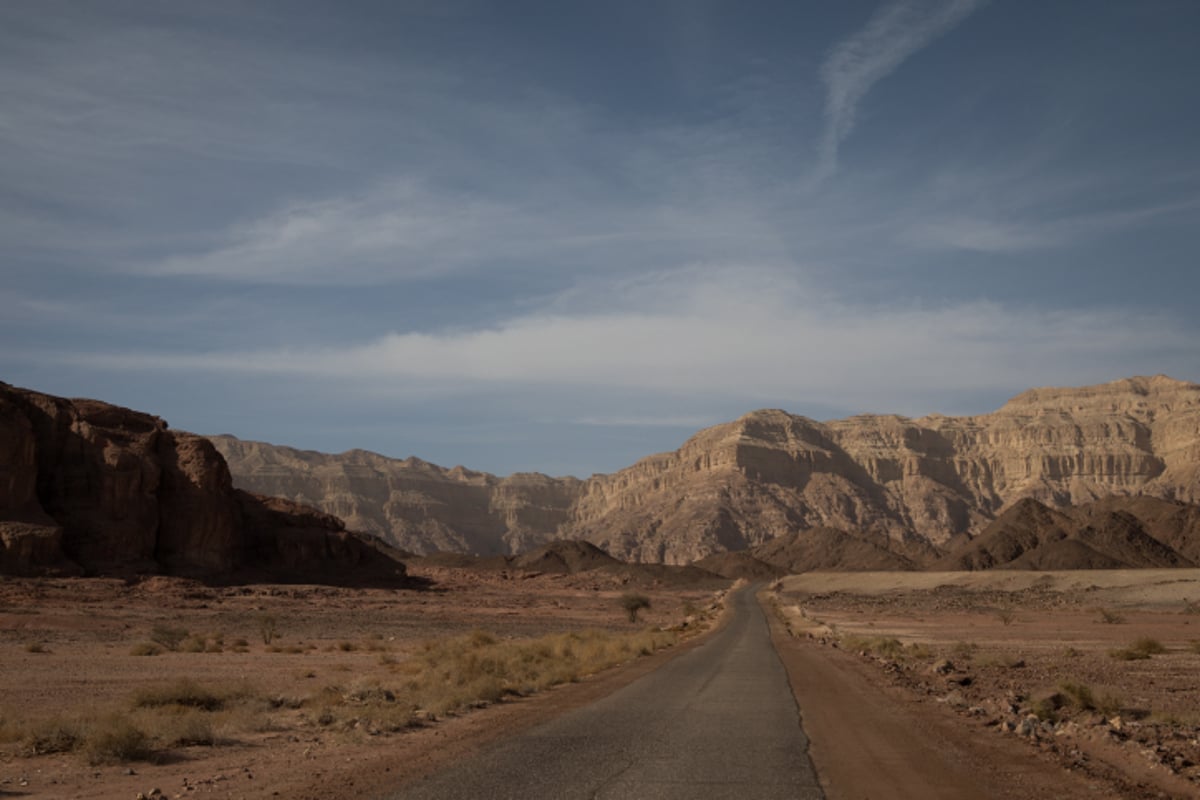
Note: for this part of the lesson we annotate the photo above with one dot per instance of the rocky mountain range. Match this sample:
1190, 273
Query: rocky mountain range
904, 491
91, 488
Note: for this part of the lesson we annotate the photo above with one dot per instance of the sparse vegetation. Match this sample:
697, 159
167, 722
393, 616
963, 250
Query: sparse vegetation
1083, 698
268, 628
168, 637
186, 693
114, 740
884, 646
1141, 649
964, 650
633, 603
104, 740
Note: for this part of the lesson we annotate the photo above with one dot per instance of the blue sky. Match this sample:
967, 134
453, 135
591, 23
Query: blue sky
561, 236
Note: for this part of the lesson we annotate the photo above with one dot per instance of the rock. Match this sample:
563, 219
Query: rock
88, 487
869, 492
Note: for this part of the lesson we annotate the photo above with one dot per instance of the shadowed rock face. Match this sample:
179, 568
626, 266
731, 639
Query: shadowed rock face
1113, 533
910, 487
87, 487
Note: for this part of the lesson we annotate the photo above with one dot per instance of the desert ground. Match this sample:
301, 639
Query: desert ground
1087, 678
298, 690
997, 684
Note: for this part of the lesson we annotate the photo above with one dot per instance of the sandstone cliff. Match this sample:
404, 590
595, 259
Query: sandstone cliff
88, 487
415, 505
910, 488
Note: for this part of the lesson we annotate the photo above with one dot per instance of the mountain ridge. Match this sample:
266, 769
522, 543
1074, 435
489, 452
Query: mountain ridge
911, 486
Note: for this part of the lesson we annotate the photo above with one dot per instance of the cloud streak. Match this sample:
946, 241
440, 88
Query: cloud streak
893, 33
750, 335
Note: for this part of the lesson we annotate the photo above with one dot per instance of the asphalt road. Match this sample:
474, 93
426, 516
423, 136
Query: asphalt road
719, 721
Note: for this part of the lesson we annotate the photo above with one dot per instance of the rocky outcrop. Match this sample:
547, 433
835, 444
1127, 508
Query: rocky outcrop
88, 487
413, 504
914, 488
1112, 533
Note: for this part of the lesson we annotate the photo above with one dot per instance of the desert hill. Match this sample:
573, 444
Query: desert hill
911, 488
1113, 533
91, 488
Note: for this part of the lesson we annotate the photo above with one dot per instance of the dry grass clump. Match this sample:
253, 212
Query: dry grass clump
1141, 649
886, 647
167, 638
103, 740
453, 673
1083, 698
186, 693
447, 676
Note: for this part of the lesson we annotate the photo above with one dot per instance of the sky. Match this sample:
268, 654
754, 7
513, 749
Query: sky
561, 236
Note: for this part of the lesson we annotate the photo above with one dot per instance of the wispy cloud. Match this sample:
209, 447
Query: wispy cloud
892, 34
741, 333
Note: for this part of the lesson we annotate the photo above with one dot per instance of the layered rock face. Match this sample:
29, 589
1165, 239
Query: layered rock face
906, 484
87, 487
417, 506
912, 488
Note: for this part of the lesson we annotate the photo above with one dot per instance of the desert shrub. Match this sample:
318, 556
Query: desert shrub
884, 646
192, 644
1006, 616
1080, 694
1128, 654
55, 735
168, 637
1150, 646
964, 650
268, 628
633, 603
1110, 617
1046, 708
145, 649
185, 693
114, 740
1083, 698
188, 729
1141, 649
